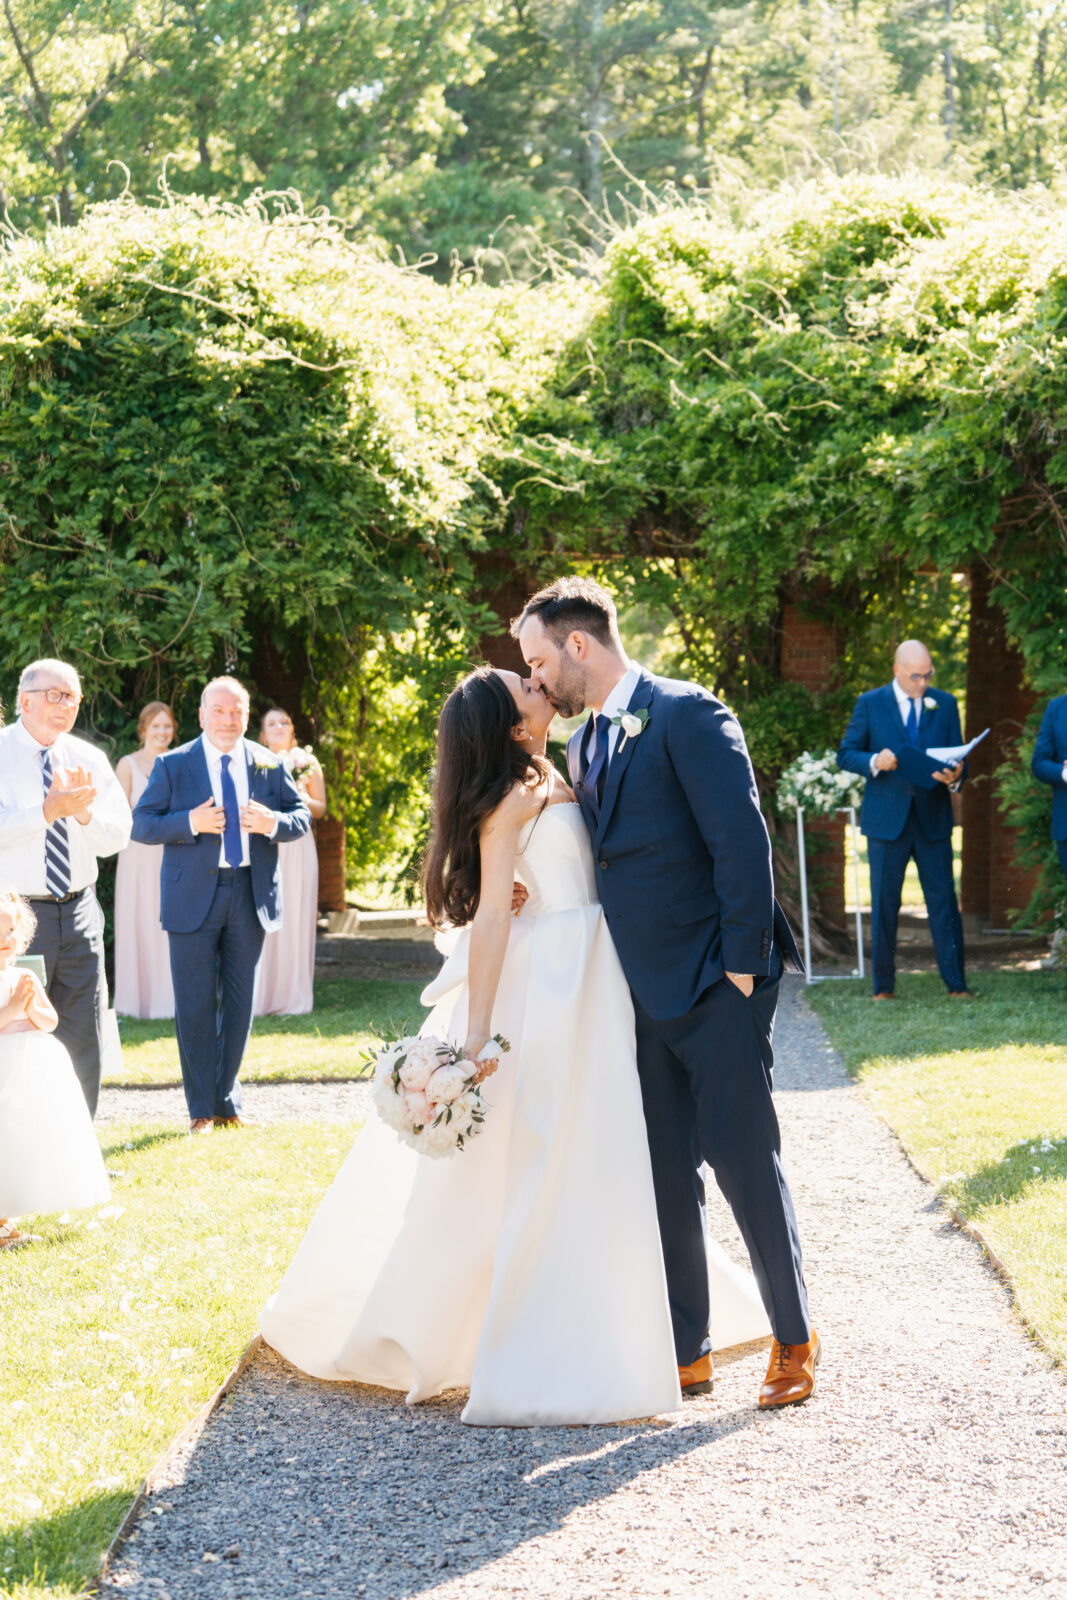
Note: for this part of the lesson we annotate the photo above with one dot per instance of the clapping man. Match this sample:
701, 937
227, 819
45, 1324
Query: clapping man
61, 808
1050, 766
904, 821
220, 807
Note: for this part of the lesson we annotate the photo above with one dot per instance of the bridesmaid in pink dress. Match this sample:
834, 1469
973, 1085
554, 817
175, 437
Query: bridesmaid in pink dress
285, 977
142, 953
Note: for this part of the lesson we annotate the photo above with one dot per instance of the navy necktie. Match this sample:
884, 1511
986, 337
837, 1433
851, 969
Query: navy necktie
596, 772
913, 724
231, 837
56, 842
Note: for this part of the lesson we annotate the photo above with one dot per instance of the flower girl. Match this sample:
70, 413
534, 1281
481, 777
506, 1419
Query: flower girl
49, 1157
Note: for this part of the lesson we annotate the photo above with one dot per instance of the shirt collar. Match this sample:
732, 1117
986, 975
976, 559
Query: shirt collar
622, 694
214, 755
32, 744
904, 700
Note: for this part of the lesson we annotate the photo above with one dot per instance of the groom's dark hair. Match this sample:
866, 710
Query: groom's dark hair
572, 605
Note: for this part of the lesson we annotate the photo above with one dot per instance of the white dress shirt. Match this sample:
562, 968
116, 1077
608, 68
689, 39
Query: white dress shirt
617, 701
22, 824
239, 773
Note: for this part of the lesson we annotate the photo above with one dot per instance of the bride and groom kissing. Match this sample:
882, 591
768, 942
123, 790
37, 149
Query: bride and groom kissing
558, 1268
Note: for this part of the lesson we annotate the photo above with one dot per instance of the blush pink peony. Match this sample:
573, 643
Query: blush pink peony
446, 1084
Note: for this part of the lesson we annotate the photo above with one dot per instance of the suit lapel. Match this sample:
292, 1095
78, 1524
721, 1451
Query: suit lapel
624, 752
574, 753
198, 769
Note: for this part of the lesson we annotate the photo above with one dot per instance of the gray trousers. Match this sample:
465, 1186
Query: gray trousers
71, 939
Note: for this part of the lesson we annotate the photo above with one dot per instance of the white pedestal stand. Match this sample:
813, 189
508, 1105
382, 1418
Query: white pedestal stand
809, 976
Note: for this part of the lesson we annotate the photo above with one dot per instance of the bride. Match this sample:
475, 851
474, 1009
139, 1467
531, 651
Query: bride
526, 1268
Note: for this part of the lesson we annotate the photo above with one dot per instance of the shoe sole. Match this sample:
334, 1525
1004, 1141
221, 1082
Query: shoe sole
691, 1390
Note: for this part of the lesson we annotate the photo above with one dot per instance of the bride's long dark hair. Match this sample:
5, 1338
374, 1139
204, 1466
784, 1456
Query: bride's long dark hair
478, 762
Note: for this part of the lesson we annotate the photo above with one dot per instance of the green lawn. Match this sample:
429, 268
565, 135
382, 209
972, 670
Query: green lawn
978, 1095
118, 1327
350, 1014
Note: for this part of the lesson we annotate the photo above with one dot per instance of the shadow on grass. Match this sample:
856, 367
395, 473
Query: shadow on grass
342, 1006
64, 1548
999, 1182
117, 1148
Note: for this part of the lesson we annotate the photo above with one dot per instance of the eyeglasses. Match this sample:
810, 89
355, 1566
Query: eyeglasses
57, 697
921, 677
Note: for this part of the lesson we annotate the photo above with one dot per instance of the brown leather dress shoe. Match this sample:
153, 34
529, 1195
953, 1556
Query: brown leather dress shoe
791, 1373
201, 1125
697, 1379
962, 994
884, 994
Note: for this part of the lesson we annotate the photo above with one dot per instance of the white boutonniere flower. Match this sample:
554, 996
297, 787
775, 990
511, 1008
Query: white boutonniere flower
929, 703
632, 724
259, 764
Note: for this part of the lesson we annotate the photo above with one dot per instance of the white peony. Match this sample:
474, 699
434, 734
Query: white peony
424, 1057
446, 1084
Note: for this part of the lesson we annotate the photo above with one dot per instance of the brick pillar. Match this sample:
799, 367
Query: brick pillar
809, 654
505, 587
278, 680
992, 882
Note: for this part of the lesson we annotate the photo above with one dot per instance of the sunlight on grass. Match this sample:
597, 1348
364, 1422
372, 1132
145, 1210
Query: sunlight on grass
978, 1095
118, 1328
350, 1016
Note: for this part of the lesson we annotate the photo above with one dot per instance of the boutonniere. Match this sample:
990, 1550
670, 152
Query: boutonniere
632, 724
259, 764
929, 703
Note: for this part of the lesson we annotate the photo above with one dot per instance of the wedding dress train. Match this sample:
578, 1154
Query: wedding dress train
526, 1267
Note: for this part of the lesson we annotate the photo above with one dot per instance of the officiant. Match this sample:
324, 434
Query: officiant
907, 810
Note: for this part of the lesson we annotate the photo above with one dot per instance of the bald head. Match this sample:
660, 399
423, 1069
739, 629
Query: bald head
912, 667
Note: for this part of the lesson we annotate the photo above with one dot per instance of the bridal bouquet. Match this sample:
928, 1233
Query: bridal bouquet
818, 785
425, 1091
300, 762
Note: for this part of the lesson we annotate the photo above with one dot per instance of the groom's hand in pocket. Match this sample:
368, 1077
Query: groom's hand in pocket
743, 981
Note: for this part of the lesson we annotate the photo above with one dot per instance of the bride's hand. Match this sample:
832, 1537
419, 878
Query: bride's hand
472, 1048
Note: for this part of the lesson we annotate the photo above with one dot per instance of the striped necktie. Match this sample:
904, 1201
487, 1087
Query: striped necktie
56, 842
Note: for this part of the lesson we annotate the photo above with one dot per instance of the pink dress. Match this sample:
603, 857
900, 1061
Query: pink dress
285, 977
142, 951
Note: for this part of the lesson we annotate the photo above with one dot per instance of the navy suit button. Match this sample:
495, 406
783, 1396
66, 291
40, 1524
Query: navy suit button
602, 864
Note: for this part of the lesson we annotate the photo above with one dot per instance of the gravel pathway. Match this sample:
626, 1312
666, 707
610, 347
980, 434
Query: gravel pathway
931, 1463
262, 1102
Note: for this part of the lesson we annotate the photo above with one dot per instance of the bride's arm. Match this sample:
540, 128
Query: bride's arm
498, 846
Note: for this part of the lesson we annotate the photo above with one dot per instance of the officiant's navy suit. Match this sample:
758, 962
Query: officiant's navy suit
215, 917
903, 821
1050, 752
683, 868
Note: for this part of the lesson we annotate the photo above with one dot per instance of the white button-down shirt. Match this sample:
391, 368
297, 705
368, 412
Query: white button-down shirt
617, 701
22, 824
239, 773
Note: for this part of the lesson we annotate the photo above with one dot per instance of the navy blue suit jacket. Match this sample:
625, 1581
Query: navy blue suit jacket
178, 784
1050, 752
683, 859
878, 725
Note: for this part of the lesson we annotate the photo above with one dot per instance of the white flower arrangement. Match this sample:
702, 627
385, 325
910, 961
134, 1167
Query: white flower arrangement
299, 762
818, 785
632, 724
425, 1091
929, 703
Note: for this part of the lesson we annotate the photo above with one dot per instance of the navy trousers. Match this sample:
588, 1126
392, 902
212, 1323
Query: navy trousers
71, 939
214, 973
888, 860
706, 1085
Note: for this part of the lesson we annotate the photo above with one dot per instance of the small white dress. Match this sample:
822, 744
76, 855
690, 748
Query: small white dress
526, 1268
49, 1157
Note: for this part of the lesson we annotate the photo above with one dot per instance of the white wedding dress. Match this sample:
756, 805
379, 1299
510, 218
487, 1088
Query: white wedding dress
527, 1267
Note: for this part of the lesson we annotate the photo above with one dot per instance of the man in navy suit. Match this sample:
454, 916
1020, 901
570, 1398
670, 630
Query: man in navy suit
683, 870
904, 821
220, 807
1050, 766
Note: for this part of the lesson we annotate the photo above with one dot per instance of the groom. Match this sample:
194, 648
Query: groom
683, 867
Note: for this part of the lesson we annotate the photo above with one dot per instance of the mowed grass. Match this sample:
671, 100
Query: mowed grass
350, 1016
978, 1095
118, 1328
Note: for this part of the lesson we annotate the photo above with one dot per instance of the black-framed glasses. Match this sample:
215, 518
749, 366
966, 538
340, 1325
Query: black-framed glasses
57, 697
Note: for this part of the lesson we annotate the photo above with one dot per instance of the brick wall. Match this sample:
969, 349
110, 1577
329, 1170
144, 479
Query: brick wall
992, 883
809, 654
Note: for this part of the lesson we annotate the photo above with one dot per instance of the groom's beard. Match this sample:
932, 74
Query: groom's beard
568, 696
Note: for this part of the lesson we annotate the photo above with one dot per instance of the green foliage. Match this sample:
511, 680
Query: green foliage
223, 431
